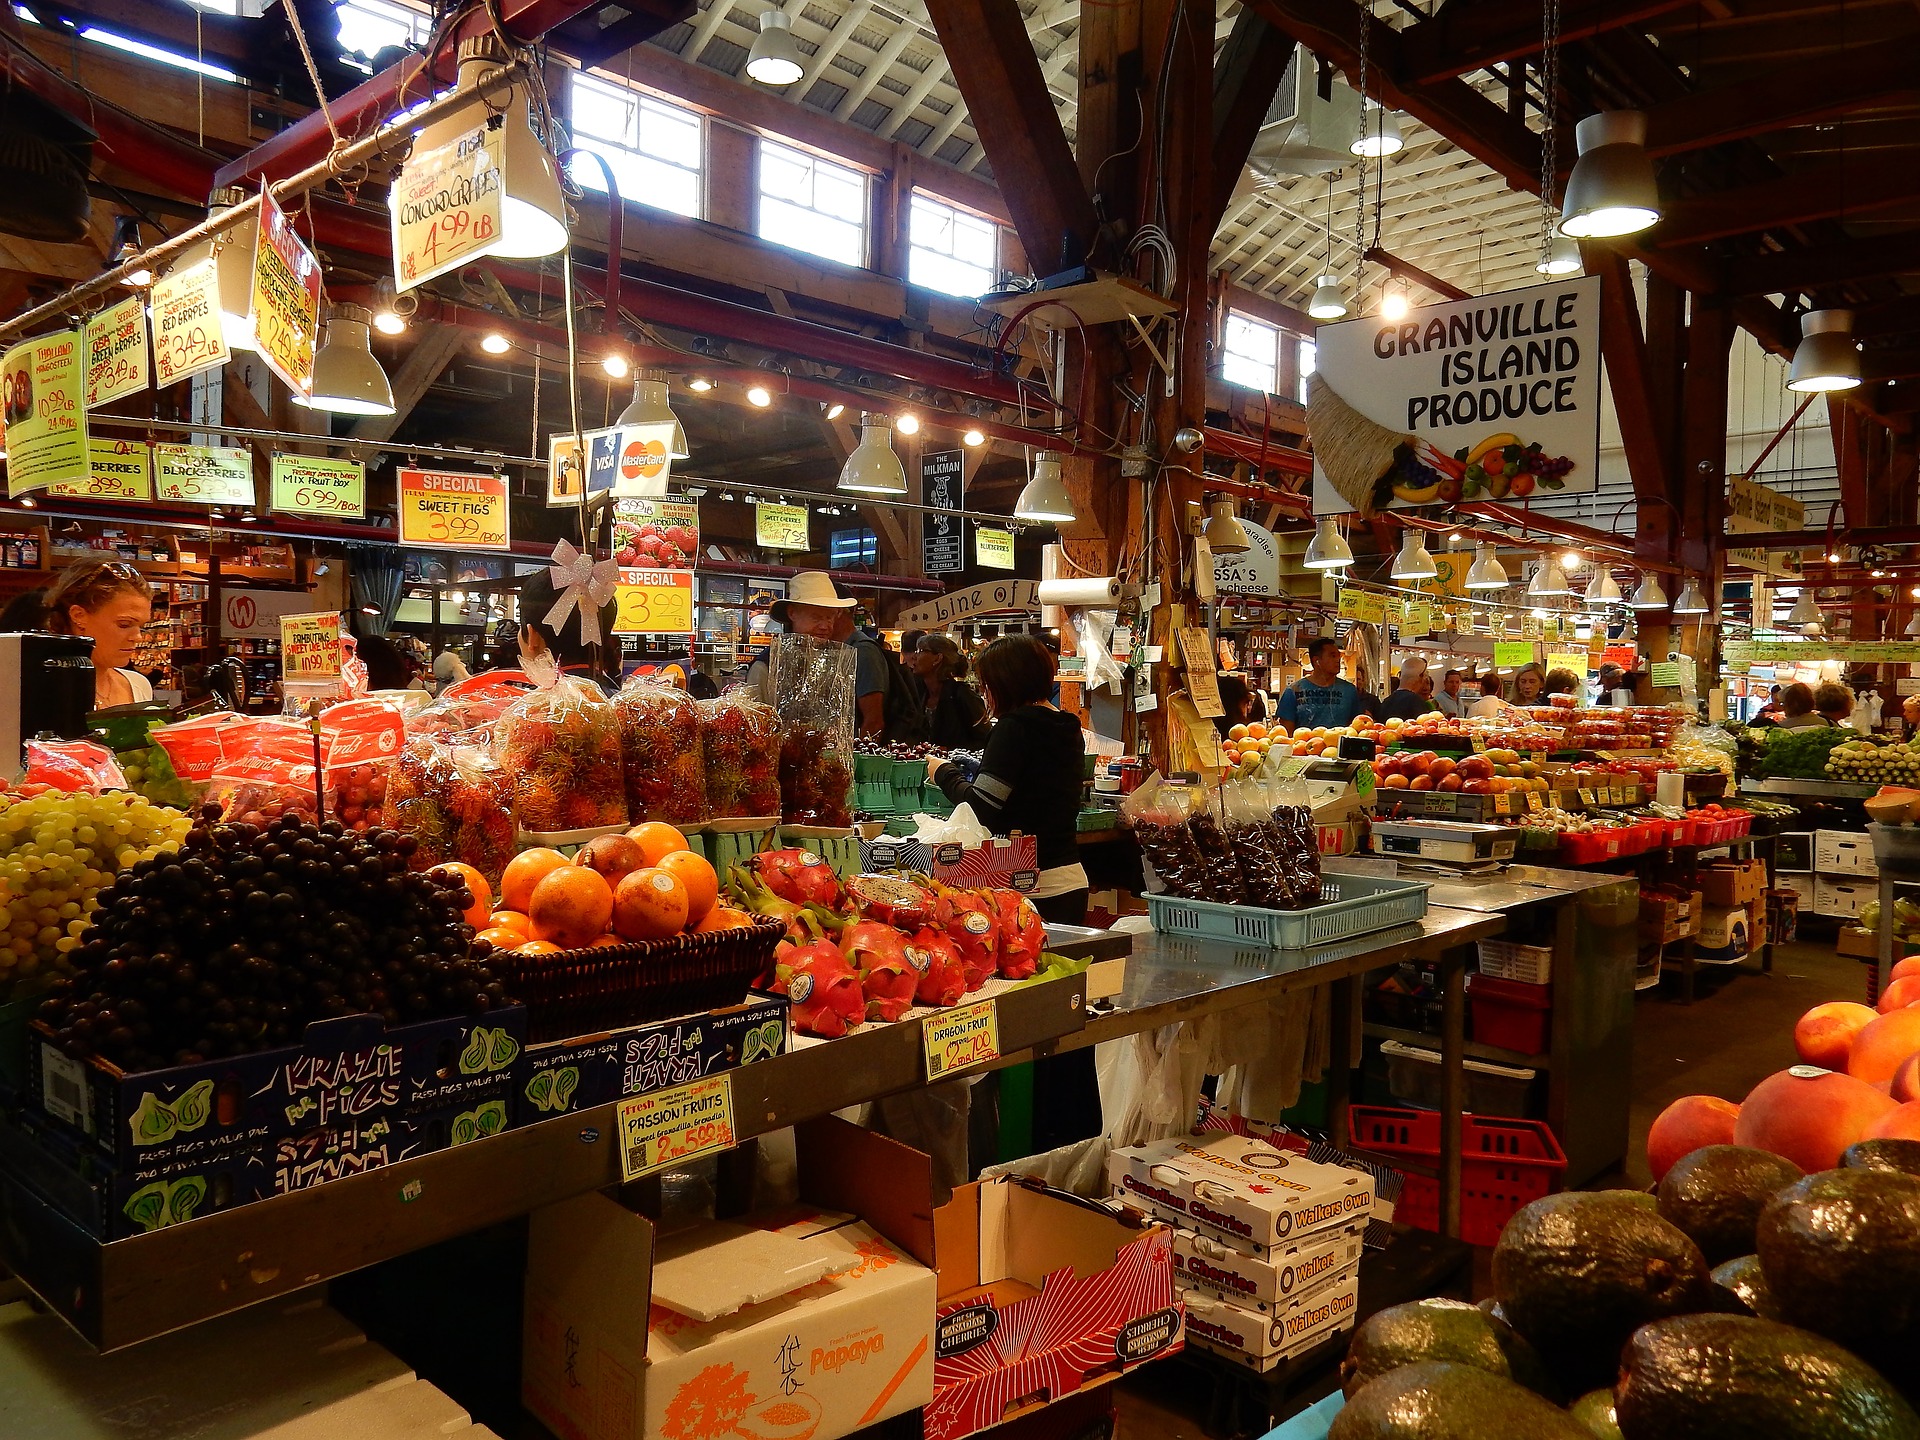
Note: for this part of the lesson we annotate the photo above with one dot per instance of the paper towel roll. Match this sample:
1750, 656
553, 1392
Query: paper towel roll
1670, 788
1101, 591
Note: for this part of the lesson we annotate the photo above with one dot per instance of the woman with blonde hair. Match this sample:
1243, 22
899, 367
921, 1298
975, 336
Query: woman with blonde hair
109, 602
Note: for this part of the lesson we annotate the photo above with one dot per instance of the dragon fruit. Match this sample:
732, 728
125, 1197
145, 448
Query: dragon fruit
974, 927
942, 978
1023, 935
804, 922
800, 876
891, 901
822, 988
879, 953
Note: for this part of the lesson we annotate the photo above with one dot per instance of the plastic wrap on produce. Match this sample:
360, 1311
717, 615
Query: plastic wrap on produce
813, 696
665, 770
740, 742
561, 746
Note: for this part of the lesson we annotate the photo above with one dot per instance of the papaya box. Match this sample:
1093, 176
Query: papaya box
345, 1071
568, 1075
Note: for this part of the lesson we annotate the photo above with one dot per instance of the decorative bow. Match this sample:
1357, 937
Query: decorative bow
583, 583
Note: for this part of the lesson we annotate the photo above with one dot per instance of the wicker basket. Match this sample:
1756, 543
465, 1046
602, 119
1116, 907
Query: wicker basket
579, 992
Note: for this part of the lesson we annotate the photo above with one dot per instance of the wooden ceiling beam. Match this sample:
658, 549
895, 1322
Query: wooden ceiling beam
1799, 94
1804, 270
1897, 316
1464, 38
993, 61
1246, 76
1820, 193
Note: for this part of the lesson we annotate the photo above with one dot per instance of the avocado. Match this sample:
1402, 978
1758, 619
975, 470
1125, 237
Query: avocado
1437, 1401
1449, 1330
1724, 1377
1841, 1252
1595, 1411
1716, 1194
1900, 1156
1744, 1278
1576, 1273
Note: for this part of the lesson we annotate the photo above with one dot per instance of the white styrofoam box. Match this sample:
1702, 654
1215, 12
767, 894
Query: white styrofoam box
1262, 1282
1845, 898
1844, 852
1801, 883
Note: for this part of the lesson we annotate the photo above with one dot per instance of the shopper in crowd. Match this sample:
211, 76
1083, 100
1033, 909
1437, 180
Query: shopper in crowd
26, 611
448, 669
108, 601
1796, 708
388, 666
1236, 704
1529, 685
1613, 686
1768, 713
1909, 712
1561, 682
1834, 701
1448, 700
1492, 701
884, 707
702, 686
1406, 701
956, 715
541, 643
1321, 697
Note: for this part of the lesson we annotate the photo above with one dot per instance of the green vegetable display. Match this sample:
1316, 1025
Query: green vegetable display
1866, 762
1802, 754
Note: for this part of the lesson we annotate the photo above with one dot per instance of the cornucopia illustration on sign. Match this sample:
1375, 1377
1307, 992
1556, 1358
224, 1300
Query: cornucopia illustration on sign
1371, 466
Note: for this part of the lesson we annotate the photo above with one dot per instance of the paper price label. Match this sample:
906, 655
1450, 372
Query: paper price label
669, 1127
1479, 744
317, 485
654, 602
117, 361
780, 527
116, 470
285, 303
961, 1038
310, 645
1586, 796
1533, 802
456, 509
446, 206
1664, 674
1510, 653
203, 474
187, 336
993, 549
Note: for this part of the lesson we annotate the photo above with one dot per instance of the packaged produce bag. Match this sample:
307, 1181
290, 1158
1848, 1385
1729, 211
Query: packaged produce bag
813, 696
740, 742
266, 768
471, 704
449, 794
561, 747
1158, 814
660, 752
359, 742
72, 766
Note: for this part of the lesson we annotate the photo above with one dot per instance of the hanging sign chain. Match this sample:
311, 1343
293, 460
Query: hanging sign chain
1550, 112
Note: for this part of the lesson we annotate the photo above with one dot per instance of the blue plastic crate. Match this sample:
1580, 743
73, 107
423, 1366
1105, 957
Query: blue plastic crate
1311, 1423
1350, 905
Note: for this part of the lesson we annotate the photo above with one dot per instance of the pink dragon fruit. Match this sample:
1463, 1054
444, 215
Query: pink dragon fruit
1023, 935
974, 927
802, 877
942, 978
879, 953
823, 989
892, 901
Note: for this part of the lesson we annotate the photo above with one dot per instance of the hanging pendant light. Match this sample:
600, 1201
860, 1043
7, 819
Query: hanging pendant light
1486, 572
1379, 132
1562, 257
1826, 357
1548, 580
347, 380
1413, 562
1328, 550
1913, 625
873, 468
1045, 497
1225, 534
1649, 596
1691, 601
1806, 610
649, 407
1329, 301
775, 56
232, 254
1611, 190
1601, 589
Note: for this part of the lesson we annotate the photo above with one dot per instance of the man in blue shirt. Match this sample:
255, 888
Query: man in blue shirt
1320, 698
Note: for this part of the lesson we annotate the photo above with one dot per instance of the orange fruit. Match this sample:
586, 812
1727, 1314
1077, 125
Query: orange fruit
539, 947
649, 904
724, 917
612, 856
693, 871
657, 839
478, 891
501, 938
571, 907
524, 871
606, 940
511, 920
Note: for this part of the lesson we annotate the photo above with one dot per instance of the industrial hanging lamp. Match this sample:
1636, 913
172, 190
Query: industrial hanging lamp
126, 247
649, 407
1413, 562
1601, 589
873, 468
1611, 191
1045, 498
1328, 550
231, 252
1548, 580
347, 380
1379, 134
1806, 610
775, 56
1562, 257
1649, 596
1225, 534
1329, 301
1826, 358
1486, 572
1691, 601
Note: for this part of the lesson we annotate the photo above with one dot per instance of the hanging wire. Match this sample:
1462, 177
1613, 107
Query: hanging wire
1360, 190
1550, 113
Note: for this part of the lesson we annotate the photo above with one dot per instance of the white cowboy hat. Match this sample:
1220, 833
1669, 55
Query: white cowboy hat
811, 587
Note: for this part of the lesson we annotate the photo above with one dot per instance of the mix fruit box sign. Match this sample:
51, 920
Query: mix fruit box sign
319, 485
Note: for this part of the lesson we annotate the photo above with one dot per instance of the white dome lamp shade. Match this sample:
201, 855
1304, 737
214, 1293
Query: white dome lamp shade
347, 380
1328, 550
1486, 572
1044, 498
1562, 257
775, 56
1379, 134
1913, 625
873, 468
1225, 534
1549, 579
232, 254
1806, 610
649, 407
1826, 358
1611, 190
1602, 591
1329, 301
1413, 562
1650, 595
1691, 601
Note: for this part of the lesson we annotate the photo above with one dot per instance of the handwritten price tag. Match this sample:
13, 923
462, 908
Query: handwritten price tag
1533, 802
669, 1127
961, 1038
187, 337
117, 351
454, 509
654, 602
446, 206
1586, 797
318, 485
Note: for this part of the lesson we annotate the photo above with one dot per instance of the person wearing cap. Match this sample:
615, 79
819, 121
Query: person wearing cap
1406, 701
814, 608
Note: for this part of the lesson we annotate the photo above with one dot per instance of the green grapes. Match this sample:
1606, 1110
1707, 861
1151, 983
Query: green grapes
57, 852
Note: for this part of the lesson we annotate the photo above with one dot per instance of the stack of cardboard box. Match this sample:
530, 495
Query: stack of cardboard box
1266, 1244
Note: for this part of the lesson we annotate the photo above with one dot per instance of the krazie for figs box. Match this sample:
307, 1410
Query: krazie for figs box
345, 1071
1261, 1283
1239, 1189
597, 1069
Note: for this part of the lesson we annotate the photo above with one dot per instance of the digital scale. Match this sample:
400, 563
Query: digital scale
1453, 841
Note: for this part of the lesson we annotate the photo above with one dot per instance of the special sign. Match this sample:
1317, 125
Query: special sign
453, 509
446, 206
285, 302
43, 386
117, 349
1489, 376
319, 485
187, 334
653, 602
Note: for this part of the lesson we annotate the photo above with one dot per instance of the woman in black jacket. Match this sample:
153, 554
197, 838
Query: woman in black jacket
956, 715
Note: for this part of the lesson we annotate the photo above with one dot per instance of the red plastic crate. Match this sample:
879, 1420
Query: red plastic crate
1504, 1164
1510, 1013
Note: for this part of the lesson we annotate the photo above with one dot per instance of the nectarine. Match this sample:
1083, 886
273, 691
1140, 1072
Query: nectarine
1686, 1125
1824, 1035
1809, 1115
1900, 1123
1900, 994
1879, 1049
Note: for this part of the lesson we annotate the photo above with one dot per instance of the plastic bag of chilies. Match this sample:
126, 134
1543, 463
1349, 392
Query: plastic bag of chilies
660, 752
740, 742
561, 746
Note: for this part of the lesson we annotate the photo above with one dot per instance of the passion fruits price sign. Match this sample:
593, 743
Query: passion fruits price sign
961, 1038
117, 351
203, 474
116, 470
310, 645
445, 205
187, 334
285, 300
453, 509
668, 1127
43, 383
653, 602
319, 485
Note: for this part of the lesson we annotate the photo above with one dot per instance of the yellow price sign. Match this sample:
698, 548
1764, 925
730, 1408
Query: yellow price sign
671, 1126
1534, 805
455, 509
319, 485
1510, 653
116, 470
961, 1038
654, 602
187, 334
285, 301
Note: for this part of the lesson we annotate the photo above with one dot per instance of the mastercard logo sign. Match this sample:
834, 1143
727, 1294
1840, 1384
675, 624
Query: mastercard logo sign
643, 460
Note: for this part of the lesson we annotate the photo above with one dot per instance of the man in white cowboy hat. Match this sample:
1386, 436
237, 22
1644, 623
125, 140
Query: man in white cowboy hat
813, 608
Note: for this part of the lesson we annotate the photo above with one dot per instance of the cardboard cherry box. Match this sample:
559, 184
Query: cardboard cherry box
1261, 1341
1008, 864
345, 1071
1262, 1283
1240, 1189
812, 1322
568, 1075
1042, 1294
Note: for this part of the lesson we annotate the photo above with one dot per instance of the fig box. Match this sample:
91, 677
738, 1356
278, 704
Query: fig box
578, 1074
1239, 1189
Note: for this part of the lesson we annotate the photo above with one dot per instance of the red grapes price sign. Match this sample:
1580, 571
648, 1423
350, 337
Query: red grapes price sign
453, 510
117, 351
446, 206
187, 336
285, 304
317, 485
43, 386
667, 1127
